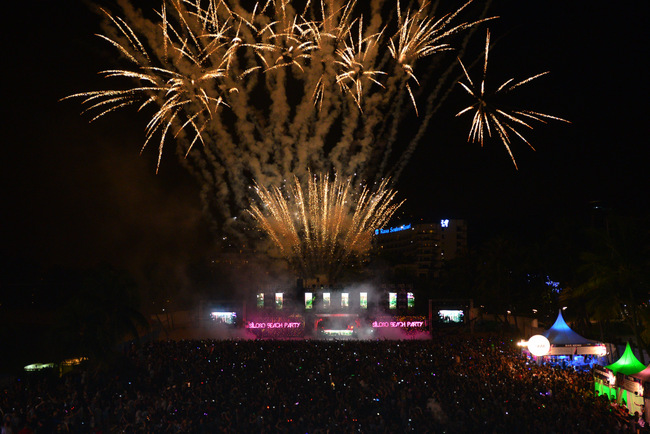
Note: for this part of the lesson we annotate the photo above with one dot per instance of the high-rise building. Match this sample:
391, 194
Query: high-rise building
420, 250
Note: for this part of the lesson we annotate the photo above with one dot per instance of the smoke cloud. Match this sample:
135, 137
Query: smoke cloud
266, 94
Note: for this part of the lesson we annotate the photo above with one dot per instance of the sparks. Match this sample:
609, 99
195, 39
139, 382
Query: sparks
419, 36
322, 226
266, 91
490, 116
207, 52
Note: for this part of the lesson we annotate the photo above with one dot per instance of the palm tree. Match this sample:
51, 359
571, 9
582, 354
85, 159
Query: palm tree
614, 280
101, 313
496, 271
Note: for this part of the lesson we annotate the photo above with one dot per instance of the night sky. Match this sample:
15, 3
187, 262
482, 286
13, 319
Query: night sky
78, 194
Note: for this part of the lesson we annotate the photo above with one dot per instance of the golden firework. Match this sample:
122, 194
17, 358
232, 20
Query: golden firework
320, 227
263, 91
420, 35
490, 116
201, 56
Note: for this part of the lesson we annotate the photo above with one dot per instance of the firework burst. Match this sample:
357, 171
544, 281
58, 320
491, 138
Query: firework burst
200, 57
490, 116
355, 69
420, 35
319, 228
264, 92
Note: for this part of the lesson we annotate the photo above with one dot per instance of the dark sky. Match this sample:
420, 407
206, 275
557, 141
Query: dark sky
78, 194
595, 54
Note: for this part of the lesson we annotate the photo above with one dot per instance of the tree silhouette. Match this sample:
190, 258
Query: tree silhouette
101, 313
613, 280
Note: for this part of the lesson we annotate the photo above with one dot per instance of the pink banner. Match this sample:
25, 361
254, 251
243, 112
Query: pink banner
273, 325
397, 324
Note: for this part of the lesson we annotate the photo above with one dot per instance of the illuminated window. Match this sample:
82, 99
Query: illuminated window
444, 223
260, 299
309, 300
363, 300
279, 300
326, 299
410, 300
345, 299
392, 300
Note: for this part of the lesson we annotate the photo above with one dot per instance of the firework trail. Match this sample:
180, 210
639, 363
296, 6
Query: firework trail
266, 93
491, 116
321, 228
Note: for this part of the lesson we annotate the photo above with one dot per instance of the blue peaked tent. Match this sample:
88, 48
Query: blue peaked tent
561, 334
565, 341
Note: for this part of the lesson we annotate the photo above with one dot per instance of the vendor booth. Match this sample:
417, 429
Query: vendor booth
565, 347
619, 382
644, 376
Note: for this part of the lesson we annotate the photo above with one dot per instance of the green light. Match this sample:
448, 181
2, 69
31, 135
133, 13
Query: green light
392, 300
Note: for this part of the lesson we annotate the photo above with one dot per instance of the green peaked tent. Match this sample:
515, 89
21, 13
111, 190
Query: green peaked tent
628, 364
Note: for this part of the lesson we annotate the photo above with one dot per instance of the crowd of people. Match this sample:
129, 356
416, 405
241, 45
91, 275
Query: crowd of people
447, 384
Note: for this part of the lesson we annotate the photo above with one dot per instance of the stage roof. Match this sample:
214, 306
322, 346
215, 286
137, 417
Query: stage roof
628, 364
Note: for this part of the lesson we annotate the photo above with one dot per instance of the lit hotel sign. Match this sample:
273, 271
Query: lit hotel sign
397, 324
391, 230
273, 325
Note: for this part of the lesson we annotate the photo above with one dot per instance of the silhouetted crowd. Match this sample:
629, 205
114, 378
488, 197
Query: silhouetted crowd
449, 384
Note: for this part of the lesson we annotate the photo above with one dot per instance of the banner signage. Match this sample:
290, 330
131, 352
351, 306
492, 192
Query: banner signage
397, 324
273, 325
